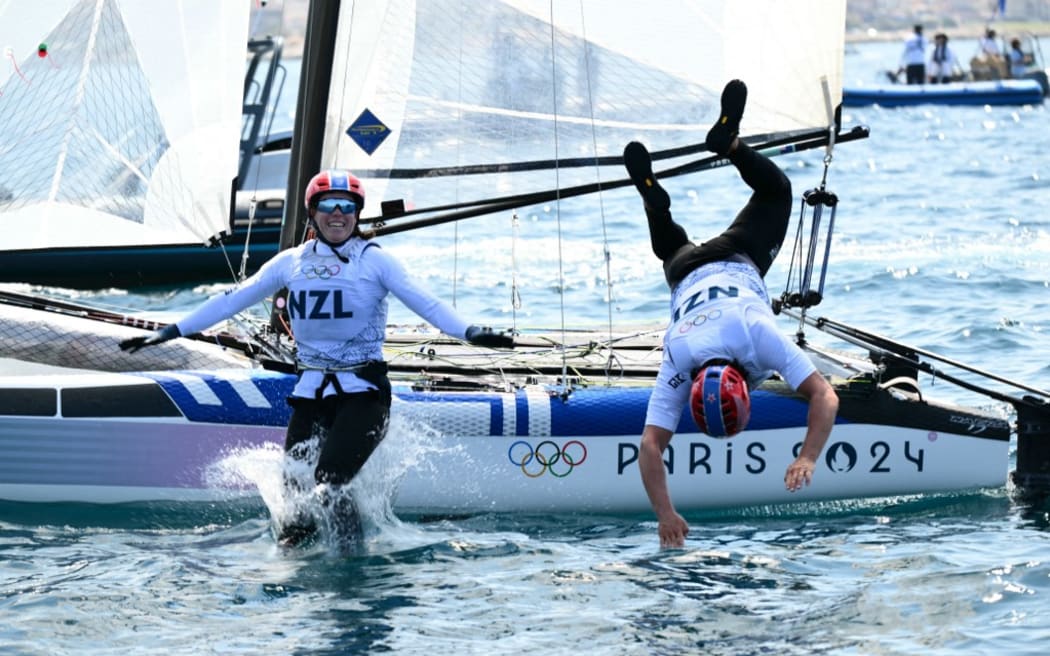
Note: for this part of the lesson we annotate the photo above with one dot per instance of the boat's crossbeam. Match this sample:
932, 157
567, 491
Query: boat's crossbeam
583, 359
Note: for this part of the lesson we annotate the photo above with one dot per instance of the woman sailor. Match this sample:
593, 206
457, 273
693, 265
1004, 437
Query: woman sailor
337, 287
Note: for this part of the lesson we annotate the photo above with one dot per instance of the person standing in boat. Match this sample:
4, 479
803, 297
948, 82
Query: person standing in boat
913, 59
943, 62
337, 288
722, 338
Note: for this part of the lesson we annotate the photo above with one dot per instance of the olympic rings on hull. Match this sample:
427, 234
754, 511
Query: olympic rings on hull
547, 457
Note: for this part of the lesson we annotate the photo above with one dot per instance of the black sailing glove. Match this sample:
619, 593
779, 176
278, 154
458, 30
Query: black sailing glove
170, 331
483, 336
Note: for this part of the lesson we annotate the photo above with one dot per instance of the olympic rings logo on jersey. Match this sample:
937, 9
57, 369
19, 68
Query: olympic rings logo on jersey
320, 271
697, 320
547, 457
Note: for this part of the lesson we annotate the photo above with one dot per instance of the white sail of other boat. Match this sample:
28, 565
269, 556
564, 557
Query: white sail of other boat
121, 126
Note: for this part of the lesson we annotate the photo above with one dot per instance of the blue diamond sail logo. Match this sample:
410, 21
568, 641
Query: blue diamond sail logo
368, 132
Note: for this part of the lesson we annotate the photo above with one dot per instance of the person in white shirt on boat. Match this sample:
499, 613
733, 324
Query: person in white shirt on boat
988, 45
337, 285
913, 59
988, 63
943, 62
722, 338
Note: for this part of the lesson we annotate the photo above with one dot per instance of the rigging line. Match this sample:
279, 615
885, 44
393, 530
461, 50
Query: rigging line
459, 158
891, 350
515, 297
242, 272
229, 262
832, 126
557, 188
598, 174
901, 349
517, 167
817, 199
796, 249
491, 206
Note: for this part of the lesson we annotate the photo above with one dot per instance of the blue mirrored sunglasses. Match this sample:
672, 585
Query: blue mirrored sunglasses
329, 205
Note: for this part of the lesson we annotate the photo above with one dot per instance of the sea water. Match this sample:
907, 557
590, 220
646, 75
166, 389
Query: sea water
942, 241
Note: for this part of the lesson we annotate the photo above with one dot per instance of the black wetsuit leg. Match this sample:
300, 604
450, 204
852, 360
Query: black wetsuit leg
358, 425
351, 426
759, 228
666, 237
306, 415
307, 421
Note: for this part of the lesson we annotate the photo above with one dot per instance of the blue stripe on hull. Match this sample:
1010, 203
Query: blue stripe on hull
260, 400
225, 404
521, 408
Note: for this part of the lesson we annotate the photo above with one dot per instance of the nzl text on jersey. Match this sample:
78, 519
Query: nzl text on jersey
313, 304
702, 296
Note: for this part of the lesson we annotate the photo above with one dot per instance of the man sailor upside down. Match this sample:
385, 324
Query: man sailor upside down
725, 357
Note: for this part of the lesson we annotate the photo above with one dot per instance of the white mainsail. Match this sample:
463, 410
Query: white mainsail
451, 83
119, 121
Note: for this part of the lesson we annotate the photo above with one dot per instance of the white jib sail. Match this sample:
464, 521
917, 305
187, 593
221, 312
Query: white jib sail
119, 121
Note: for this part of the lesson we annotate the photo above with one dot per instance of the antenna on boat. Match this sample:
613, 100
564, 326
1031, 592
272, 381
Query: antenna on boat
804, 256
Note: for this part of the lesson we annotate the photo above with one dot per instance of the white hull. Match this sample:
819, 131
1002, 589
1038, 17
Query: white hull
473, 451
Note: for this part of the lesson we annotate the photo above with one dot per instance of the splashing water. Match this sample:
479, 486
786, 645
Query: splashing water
408, 446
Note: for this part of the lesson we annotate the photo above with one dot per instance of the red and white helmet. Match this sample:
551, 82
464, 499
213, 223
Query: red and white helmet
719, 400
334, 180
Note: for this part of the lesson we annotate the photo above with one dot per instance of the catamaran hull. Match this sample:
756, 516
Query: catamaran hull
138, 266
160, 436
703, 473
